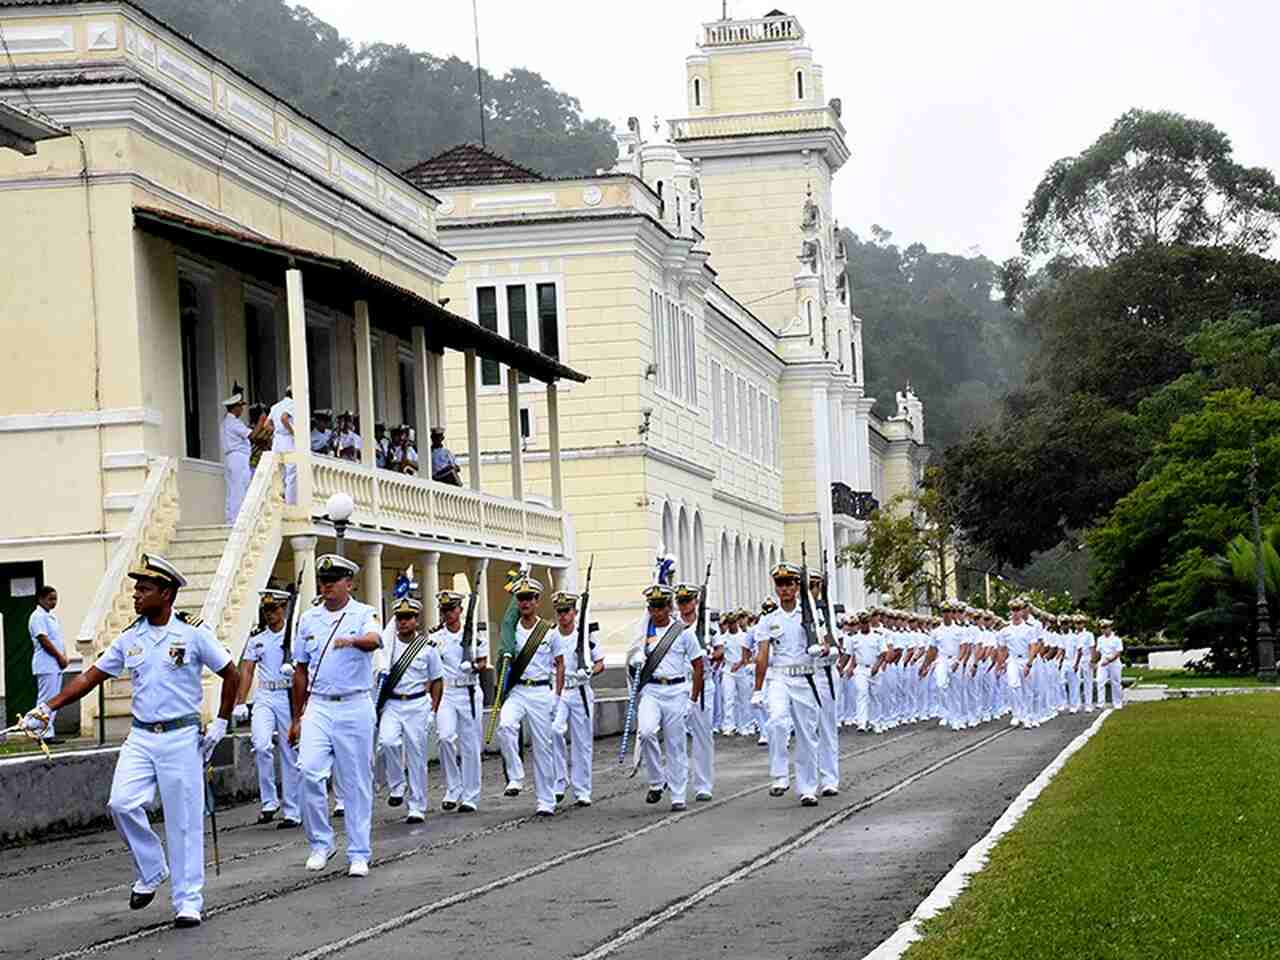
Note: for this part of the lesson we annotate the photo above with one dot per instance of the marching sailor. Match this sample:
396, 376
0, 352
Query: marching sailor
1086, 667
272, 715
333, 715
416, 673
235, 453
824, 662
864, 651
165, 655
534, 685
459, 717
792, 697
575, 713
666, 650
1110, 647
1018, 640
760, 707
702, 746
737, 678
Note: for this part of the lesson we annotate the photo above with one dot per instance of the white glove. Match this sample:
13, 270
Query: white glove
757, 698
286, 670
637, 660
36, 719
465, 667
582, 673
240, 713
815, 650
217, 730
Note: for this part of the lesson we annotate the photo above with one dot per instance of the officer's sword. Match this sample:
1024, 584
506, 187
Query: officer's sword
19, 728
211, 809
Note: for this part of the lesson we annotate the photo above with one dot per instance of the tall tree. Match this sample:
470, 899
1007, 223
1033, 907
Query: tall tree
1154, 178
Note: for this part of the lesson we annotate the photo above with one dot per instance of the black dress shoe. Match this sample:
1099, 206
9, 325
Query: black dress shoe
511, 792
448, 805
808, 801
582, 803
703, 797
653, 796
394, 801
139, 900
288, 823
466, 808
830, 792
186, 923
339, 811
544, 813
678, 807
777, 791
266, 816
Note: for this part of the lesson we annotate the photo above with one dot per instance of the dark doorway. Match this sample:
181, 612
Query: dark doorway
19, 583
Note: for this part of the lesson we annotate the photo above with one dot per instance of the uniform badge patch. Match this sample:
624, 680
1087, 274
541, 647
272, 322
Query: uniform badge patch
177, 655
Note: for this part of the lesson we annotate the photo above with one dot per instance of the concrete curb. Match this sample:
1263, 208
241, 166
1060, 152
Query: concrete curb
1153, 694
957, 878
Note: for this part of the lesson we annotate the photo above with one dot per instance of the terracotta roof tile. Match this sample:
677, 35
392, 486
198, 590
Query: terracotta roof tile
468, 165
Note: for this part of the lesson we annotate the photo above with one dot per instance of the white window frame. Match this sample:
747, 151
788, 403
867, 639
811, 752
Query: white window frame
530, 282
744, 418
777, 434
717, 401
731, 409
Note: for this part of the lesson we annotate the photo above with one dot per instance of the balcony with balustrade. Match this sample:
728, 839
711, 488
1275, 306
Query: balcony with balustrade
771, 29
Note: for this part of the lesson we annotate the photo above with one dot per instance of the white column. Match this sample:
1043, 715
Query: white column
429, 576
553, 437
513, 426
364, 385
473, 421
371, 575
304, 560
439, 408
301, 383
478, 581
422, 399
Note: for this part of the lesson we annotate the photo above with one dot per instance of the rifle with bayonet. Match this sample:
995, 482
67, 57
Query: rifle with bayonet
469, 643
824, 598
585, 662
807, 619
700, 629
290, 608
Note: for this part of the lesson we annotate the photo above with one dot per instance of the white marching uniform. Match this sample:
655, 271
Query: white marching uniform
1086, 669
947, 638
738, 684
573, 760
162, 752
702, 744
533, 697
1017, 638
235, 460
271, 719
827, 676
1110, 645
791, 700
865, 650
282, 442
406, 718
664, 708
457, 728
45, 669
337, 727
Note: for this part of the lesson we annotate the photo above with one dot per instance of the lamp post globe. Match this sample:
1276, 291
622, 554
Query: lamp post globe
339, 508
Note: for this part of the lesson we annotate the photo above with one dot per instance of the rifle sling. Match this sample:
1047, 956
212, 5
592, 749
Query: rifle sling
399, 669
530, 647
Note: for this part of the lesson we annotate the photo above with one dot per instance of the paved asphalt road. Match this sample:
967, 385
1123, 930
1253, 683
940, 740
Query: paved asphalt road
746, 873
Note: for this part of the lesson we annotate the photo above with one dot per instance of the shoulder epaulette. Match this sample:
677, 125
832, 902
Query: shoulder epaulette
190, 619
136, 620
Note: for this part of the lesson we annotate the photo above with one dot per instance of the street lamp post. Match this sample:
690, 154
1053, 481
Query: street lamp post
339, 508
1266, 643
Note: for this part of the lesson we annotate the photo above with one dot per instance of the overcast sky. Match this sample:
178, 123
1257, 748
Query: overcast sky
954, 110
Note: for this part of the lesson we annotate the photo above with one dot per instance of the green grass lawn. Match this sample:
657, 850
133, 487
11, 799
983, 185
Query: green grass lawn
1185, 678
1157, 840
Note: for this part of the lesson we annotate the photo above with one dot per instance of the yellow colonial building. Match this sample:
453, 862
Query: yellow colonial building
701, 285
190, 231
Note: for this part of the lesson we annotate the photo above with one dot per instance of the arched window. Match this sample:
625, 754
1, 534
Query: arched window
799, 84
698, 548
669, 544
697, 91
684, 554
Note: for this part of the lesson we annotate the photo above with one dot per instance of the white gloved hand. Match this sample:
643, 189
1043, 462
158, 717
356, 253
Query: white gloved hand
815, 650
582, 673
36, 719
465, 667
286, 670
637, 660
240, 713
217, 730
757, 698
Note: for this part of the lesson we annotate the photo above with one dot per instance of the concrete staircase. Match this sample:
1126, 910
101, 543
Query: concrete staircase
196, 552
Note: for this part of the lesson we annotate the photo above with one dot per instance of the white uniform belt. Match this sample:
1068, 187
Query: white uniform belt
796, 670
463, 684
339, 697
572, 683
275, 684
827, 661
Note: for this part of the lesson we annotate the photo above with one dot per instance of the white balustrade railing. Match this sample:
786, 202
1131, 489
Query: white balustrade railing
395, 501
230, 605
726, 33
150, 528
772, 121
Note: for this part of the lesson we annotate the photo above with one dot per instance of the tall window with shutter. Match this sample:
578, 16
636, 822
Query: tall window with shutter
717, 399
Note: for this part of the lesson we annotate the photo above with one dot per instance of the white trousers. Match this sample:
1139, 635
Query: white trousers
743, 682
828, 731
1086, 680
573, 759
48, 685
271, 716
728, 687
402, 742
170, 763
791, 704
1110, 674
702, 745
1018, 692
862, 696
537, 705
459, 735
663, 709
238, 475
337, 740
